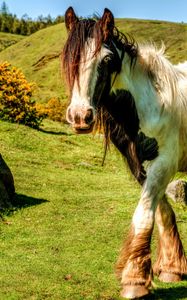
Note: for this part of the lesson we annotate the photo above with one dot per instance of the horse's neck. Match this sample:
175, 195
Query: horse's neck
135, 80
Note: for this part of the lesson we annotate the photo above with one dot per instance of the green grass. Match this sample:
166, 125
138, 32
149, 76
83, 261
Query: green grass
8, 39
63, 239
38, 54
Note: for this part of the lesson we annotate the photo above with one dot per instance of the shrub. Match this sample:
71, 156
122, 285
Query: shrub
56, 110
16, 104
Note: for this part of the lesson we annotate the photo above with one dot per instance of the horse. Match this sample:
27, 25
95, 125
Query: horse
140, 98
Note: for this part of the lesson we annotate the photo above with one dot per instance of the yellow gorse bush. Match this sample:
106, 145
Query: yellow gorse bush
16, 104
55, 109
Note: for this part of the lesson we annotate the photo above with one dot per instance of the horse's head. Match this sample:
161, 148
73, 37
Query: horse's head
90, 58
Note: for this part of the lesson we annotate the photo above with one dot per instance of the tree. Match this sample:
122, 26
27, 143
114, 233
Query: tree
25, 26
4, 9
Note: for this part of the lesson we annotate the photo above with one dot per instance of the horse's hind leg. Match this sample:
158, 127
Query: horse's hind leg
171, 263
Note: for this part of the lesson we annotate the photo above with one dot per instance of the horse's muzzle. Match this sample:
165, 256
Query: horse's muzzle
81, 119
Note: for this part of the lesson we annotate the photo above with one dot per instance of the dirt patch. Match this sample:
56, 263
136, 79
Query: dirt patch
44, 60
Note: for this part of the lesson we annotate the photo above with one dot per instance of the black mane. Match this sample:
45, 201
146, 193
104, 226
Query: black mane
117, 117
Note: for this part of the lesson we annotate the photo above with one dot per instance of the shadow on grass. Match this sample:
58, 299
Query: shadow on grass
54, 132
23, 201
174, 293
20, 201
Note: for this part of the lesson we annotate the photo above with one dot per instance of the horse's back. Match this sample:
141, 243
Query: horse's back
182, 67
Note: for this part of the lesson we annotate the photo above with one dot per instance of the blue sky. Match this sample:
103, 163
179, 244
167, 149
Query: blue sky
169, 10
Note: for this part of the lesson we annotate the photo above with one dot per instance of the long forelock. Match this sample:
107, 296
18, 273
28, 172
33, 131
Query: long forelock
74, 50
82, 31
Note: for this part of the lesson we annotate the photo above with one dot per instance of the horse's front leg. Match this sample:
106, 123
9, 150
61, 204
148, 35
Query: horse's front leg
134, 265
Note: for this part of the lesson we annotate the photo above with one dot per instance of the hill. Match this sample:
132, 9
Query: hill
38, 54
8, 39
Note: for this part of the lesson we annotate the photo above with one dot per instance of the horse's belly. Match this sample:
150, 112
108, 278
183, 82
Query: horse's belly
183, 152
183, 166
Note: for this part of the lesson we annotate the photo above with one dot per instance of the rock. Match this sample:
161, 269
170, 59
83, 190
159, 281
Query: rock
177, 191
4, 197
7, 189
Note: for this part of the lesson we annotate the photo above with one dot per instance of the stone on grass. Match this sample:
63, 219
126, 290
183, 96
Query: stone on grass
177, 191
7, 189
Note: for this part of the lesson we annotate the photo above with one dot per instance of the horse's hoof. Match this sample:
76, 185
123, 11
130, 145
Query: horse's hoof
134, 291
169, 277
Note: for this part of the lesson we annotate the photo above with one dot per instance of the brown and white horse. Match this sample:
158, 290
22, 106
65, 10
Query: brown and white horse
108, 71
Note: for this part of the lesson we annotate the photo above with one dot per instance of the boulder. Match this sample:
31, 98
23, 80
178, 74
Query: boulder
177, 191
7, 189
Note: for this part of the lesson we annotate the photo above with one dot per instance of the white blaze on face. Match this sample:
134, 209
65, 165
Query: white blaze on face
81, 113
81, 93
83, 90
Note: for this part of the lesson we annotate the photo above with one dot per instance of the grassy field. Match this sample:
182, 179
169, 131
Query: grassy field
62, 238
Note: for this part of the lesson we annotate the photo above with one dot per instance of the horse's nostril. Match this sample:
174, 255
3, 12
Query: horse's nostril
80, 117
77, 118
69, 116
89, 116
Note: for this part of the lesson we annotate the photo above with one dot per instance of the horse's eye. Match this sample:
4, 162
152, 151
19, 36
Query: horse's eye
107, 58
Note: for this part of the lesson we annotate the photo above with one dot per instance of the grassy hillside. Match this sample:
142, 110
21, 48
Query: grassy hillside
173, 35
8, 39
62, 239
38, 57
38, 54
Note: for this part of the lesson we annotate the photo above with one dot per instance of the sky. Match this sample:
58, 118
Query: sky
168, 10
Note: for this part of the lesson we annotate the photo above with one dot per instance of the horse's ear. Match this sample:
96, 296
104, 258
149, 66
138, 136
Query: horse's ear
70, 18
107, 23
